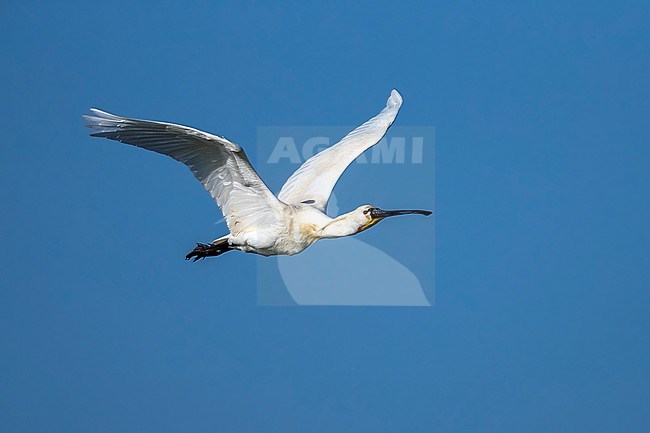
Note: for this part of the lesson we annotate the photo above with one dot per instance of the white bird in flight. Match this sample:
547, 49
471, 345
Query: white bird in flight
258, 221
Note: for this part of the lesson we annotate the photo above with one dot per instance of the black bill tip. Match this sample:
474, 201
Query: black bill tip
380, 213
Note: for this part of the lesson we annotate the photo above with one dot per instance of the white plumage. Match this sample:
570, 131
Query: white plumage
315, 179
258, 221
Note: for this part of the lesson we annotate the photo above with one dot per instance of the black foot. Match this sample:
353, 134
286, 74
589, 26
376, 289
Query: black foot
207, 250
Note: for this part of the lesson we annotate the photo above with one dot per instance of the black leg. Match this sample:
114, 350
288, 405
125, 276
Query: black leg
208, 250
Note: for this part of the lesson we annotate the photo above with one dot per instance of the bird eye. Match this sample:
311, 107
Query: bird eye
366, 211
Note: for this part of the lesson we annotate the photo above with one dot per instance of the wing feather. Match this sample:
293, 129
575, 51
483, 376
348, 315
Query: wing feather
316, 178
219, 164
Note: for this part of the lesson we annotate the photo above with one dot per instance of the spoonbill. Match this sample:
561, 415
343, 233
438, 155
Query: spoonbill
258, 221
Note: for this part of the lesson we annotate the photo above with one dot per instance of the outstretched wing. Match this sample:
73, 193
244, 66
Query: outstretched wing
314, 181
220, 165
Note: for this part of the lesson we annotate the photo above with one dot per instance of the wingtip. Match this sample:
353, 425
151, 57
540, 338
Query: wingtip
100, 121
94, 114
91, 121
104, 114
395, 99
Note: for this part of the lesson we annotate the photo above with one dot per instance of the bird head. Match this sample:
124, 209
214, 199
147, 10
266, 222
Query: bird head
368, 215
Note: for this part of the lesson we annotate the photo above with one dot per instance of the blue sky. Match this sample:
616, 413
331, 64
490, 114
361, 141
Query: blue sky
541, 317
